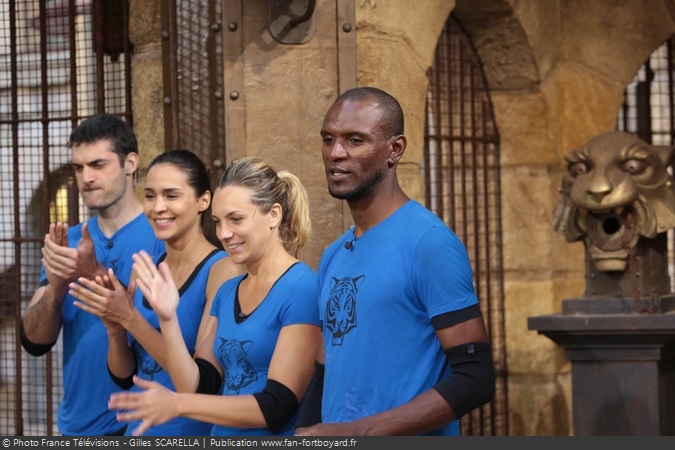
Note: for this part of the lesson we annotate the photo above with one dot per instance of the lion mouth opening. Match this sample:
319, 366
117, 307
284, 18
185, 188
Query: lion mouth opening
610, 236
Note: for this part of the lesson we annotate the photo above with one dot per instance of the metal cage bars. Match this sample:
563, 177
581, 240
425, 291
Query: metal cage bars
462, 186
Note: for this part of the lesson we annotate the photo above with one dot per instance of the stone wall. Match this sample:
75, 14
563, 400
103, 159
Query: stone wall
556, 71
145, 34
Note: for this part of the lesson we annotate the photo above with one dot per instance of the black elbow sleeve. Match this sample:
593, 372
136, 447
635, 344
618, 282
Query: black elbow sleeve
310, 408
209, 377
123, 382
277, 403
31, 347
472, 382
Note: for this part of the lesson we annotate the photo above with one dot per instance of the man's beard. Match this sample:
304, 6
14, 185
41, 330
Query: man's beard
359, 191
103, 202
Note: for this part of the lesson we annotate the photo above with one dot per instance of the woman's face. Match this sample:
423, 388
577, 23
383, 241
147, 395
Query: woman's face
171, 204
244, 230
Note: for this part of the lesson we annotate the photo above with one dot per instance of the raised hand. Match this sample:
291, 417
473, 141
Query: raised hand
157, 285
153, 406
58, 233
63, 264
59, 261
87, 255
106, 298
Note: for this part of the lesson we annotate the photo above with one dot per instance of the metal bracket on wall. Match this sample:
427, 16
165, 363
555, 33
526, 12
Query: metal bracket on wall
292, 21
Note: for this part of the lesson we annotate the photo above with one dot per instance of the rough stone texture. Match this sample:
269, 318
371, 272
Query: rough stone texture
538, 406
148, 106
564, 380
584, 103
409, 22
147, 91
501, 42
526, 241
410, 177
530, 352
615, 29
145, 24
542, 19
524, 129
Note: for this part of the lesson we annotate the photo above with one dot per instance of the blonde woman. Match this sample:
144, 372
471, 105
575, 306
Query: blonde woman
263, 334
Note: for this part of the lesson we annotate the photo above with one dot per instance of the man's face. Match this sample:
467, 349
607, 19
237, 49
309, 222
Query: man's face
355, 149
101, 179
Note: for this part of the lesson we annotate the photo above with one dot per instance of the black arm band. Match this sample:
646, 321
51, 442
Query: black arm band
472, 382
454, 317
310, 409
277, 403
123, 382
209, 377
31, 347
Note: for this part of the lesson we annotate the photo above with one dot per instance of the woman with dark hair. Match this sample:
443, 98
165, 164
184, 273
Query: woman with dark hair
263, 333
176, 197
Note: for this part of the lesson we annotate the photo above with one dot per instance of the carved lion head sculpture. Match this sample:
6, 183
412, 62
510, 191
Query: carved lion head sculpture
617, 188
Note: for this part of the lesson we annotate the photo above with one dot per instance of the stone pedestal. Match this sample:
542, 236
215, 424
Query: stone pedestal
623, 364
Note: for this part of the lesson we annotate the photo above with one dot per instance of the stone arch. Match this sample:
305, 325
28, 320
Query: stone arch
615, 38
500, 41
603, 45
396, 48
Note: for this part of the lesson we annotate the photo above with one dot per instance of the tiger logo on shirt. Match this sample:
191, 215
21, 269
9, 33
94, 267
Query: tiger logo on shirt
238, 370
341, 307
147, 366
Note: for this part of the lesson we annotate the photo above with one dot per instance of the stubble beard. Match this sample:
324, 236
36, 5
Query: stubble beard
358, 192
103, 201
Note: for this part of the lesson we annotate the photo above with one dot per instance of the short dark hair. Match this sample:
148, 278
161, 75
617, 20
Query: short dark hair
392, 113
106, 127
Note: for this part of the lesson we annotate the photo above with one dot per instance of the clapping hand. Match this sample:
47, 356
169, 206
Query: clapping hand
63, 264
157, 285
105, 297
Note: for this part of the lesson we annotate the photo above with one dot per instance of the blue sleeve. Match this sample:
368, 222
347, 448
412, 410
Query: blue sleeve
442, 273
303, 304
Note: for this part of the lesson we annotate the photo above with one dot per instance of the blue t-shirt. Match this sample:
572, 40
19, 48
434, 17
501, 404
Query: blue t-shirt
245, 349
87, 385
189, 312
377, 300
